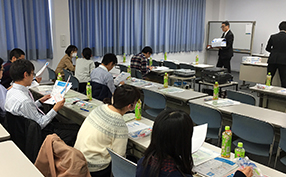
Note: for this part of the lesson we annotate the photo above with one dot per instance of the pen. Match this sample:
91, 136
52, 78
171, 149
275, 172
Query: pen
84, 109
208, 99
66, 85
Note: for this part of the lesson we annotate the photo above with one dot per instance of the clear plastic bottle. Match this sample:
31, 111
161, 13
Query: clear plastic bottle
165, 56
60, 78
166, 80
88, 91
124, 58
239, 151
138, 110
226, 142
268, 79
197, 59
216, 91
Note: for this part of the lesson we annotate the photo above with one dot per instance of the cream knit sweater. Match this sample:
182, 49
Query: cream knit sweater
101, 129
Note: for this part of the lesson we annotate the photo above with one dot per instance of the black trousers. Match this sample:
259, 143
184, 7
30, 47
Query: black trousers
282, 72
224, 62
103, 173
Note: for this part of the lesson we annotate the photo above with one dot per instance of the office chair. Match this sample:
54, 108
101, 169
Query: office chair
52, 74
282, 146
257, 136
75, 83
122, 68
186, 66
133, 72
170, 64
203, 114
241, 97
138, 74
155, 63
67, 73
120, 166
155, 101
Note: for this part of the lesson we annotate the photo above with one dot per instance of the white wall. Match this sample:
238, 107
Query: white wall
266, 13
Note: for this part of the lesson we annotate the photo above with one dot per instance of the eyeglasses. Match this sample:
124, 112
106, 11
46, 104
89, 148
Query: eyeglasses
34, 74
222, 26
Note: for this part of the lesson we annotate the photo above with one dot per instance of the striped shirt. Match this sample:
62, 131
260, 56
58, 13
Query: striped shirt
18, 102
102, 76
139, 62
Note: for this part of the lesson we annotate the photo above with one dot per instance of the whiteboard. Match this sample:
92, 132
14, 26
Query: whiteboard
243, 32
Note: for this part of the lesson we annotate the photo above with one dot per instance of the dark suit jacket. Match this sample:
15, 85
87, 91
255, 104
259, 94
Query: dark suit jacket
100, 91
277, 47
227, 52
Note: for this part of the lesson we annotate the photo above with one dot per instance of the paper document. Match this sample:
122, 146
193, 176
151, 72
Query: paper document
171, 90
222, 102
128, 117
217, 167
203, 155
137, 129
34, 84
199, 136
121, 77
160, 68
283, 91
218, 42
59, 90
40, 72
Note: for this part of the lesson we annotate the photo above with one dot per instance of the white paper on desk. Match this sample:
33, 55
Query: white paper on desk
203, 155
58, 92
33, 84
160, 68
222, 102
134, 126
40, 72
121, 77
199, 136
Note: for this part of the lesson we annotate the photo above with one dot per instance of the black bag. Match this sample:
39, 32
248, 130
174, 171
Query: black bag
212, 75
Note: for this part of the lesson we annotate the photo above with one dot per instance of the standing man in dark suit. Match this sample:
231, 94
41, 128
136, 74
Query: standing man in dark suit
277, 47
225, 53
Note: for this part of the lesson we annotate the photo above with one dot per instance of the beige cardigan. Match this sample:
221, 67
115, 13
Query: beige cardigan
65, 63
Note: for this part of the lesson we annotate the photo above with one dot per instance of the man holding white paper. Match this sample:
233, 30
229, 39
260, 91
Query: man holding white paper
19, 100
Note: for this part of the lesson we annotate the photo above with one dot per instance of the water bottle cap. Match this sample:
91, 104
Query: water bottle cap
227, 127
269, 73
88, 83
216, 82
240, 144
166, 73
59, 74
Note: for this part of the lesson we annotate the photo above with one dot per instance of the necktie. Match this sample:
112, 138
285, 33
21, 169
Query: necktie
223, 35
35, 104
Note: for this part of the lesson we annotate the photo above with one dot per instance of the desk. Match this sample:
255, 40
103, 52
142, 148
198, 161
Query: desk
220, 85
275, 118
271, 98
4, 135
14, 163
257, 73
144, 143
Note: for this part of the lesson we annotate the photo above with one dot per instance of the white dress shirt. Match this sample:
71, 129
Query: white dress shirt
20, 103
3, 92
102, 76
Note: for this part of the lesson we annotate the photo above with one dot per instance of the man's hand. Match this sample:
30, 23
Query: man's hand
247, 171
38, 79
59, 105
122, 83
45, 98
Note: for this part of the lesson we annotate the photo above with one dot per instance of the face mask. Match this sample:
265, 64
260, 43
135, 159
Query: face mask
74, 54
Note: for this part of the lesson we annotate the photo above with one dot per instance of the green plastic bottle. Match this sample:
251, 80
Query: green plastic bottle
216, 91
60, 78
226, 142
129, 70
268, 79
124, 58
150, 61
166, 80
239, 151
165, 56
88, 91
197, 59
138, 110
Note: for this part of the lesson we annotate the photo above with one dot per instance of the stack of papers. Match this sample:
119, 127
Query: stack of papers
171, 90
222, 102
137, 129
160, 68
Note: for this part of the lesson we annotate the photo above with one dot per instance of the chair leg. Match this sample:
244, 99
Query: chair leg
271, 150
277, 155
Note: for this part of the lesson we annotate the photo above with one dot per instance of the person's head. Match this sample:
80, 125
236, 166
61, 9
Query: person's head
109, 61
16, 54
22, 71
225, 26
86, 53
71, 51
171, 138
147, 51
125, 98
282, 26
1, 68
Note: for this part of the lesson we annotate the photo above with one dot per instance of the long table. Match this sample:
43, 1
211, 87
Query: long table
4, 135
14, 163
143, 143
274, 98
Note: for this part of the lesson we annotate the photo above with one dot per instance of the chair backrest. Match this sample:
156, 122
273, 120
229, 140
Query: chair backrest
203, 114
67, 73
26, 134
241, 97
122, 68
252, 130
52, 74
100, 91
154, 100
75, 83
138, 74
282, 143
186, 66
120, 166
155, 63
133, 72
170, 64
